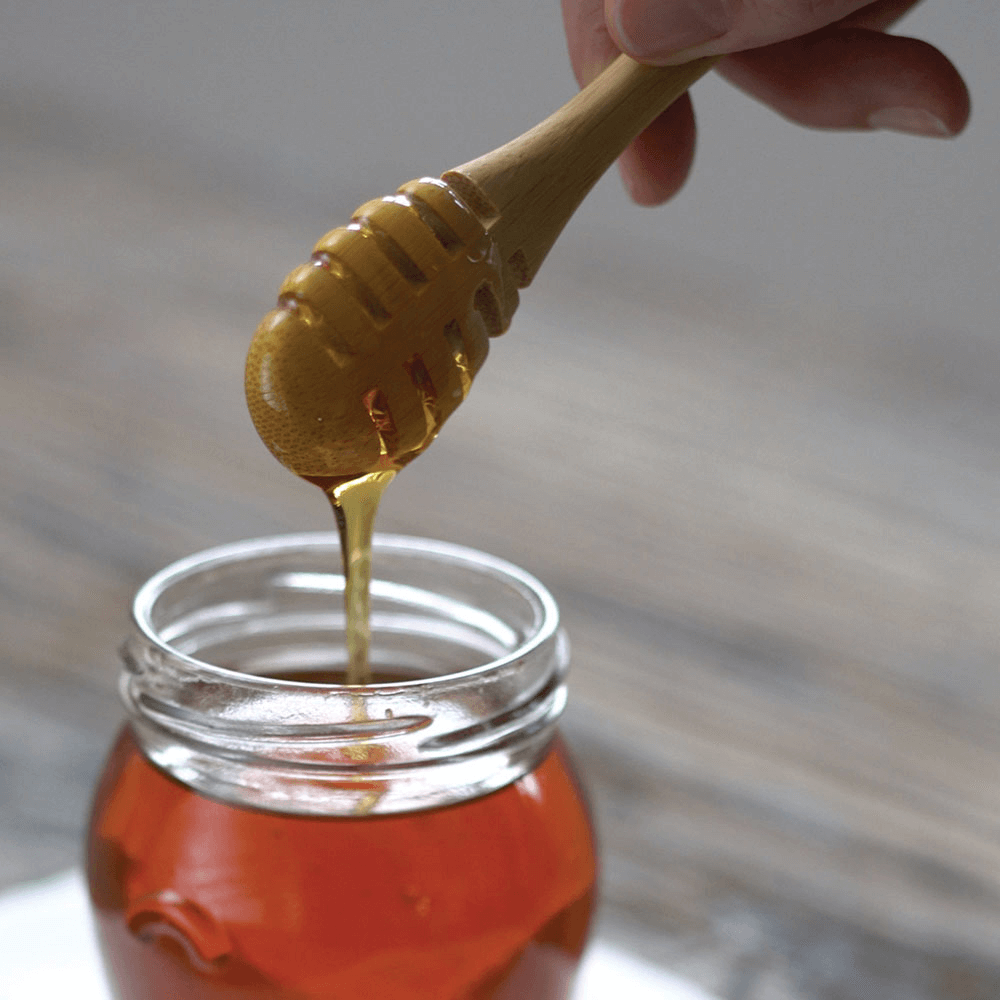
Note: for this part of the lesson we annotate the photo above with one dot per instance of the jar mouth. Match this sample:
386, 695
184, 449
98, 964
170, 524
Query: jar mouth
228, 675
196, 633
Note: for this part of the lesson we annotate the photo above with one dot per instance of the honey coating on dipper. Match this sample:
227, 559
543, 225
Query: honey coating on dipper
372, 346
376, 340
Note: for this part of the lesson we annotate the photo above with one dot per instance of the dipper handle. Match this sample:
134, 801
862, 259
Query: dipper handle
532, 186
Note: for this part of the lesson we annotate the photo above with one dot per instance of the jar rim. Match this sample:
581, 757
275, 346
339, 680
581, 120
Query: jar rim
249, 737
220, 556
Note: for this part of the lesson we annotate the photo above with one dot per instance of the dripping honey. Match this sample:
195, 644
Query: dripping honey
489, 899
355, 504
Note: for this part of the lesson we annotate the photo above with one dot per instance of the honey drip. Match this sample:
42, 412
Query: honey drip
355, 504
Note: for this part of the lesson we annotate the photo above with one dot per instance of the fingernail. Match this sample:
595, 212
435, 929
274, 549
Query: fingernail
650, 30
912, 121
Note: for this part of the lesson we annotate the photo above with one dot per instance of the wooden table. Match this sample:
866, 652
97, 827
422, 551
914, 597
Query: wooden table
772, 533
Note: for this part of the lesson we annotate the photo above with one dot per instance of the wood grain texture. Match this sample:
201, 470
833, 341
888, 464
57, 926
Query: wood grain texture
771, 530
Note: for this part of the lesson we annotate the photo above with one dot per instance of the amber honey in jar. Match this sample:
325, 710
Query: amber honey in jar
262, 831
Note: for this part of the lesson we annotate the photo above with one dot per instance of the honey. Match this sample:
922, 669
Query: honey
355, 504
489, 899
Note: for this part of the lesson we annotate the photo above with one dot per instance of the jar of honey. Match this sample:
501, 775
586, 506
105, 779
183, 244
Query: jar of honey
263, 830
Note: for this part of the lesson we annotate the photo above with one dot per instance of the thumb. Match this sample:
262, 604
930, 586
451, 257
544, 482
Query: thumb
666, 31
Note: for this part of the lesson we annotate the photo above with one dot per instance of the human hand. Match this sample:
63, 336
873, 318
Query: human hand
824, 64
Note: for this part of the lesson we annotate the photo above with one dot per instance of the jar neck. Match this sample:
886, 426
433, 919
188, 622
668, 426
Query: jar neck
214, 633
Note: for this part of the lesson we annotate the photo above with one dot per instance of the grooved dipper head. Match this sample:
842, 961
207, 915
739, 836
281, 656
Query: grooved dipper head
376, 340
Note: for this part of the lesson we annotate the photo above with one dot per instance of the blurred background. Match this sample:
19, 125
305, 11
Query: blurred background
749, 440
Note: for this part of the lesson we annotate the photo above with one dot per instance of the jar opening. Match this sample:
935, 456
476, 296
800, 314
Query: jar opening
237, 654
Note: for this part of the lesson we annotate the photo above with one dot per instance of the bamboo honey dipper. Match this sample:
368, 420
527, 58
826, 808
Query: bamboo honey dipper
376, 340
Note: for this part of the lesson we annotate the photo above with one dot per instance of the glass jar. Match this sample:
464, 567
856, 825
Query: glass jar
261, 831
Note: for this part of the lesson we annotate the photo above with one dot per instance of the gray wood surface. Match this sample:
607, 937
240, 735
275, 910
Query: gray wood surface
771, 530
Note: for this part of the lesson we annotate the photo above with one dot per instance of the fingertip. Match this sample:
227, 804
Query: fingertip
590, 46
642, 189
856, 78
656, 165
925, 95
661, 33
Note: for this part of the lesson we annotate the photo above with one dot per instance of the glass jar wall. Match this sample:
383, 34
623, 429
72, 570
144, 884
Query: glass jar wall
263, 831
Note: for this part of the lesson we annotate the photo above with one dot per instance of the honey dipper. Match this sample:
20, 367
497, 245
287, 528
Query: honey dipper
375, 341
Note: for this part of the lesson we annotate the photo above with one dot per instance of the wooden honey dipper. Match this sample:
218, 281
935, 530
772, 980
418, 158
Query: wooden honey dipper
376, 340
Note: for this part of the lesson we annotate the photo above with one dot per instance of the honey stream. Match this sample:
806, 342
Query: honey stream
355, 504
